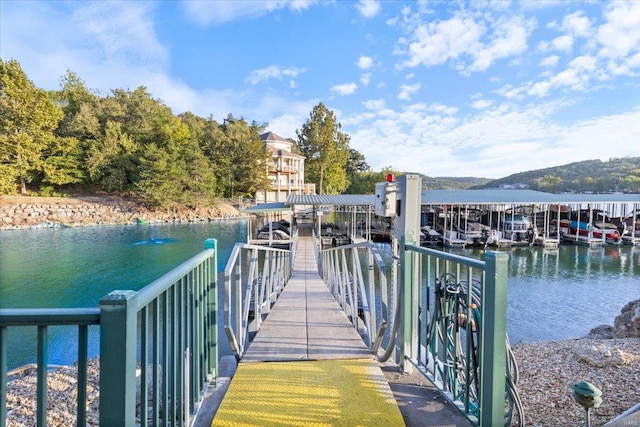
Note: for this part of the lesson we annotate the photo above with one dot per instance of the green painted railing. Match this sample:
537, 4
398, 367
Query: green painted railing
158, 347
42, 319
448, 320
254, 277
454, 331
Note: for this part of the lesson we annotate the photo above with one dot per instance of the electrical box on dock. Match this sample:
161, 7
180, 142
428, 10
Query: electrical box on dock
386, 199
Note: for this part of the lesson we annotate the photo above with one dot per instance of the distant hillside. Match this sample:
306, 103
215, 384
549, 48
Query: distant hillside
616, 174
449, 183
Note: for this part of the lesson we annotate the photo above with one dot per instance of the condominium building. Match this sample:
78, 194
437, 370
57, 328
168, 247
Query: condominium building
285, 171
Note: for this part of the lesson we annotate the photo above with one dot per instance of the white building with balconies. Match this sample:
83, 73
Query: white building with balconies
285, 171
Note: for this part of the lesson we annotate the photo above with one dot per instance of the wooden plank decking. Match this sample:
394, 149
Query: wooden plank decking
306, 322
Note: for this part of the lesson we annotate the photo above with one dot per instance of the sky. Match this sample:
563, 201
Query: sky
443, 88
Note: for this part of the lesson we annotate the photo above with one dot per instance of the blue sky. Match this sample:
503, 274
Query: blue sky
449, 88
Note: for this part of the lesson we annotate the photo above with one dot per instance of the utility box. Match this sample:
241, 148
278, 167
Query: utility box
386, 199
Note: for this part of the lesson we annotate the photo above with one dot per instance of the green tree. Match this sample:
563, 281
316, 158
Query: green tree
247, 158
549, 183
326, 151
28, 117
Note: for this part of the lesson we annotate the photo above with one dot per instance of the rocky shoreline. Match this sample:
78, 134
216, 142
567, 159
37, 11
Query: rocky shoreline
17, 212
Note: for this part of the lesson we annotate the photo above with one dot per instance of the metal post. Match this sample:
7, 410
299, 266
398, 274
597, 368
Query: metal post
118, 321
42, 357
3, 375
407, 231
493, 346
212, 297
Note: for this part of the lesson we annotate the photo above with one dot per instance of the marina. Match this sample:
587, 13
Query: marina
599, 269
483, 218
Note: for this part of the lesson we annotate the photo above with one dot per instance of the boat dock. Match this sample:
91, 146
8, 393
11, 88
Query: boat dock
307, 365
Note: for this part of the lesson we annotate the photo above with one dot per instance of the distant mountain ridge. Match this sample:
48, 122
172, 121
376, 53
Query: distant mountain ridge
613, 175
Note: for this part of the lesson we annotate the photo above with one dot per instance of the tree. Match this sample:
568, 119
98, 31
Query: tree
326, 150
247, 157
28, 118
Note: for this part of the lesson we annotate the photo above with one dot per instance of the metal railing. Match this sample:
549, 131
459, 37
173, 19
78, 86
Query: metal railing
447, 318
254, 277
161, 341
454, 331
42, 319
356, 276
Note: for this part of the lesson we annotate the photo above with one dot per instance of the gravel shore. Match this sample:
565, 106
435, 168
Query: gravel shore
547, 370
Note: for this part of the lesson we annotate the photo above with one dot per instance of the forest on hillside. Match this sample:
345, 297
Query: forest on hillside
597, 176
75, 140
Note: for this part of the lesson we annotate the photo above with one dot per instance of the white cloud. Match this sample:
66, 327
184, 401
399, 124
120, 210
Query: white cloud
368, 8
493, 143
481, 104
365, 62
620, 35
365, 79
550, 61
577, 24
221, 11
407, 90
563, 43
273, 72
374, 104
345, 89
464, 38
434, 43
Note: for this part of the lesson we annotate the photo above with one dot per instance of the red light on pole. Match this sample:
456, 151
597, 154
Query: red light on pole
389, 177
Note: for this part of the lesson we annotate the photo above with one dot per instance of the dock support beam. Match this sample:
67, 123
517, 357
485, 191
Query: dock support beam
118, 334
493, 345
407, 232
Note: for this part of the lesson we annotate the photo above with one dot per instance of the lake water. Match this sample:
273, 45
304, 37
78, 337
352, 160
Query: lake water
553, 293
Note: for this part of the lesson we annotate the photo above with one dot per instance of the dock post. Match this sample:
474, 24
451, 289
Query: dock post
212, 312
118, 333
407, 232
493, 345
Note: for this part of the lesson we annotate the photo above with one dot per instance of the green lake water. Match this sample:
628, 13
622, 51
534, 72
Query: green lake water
553, 293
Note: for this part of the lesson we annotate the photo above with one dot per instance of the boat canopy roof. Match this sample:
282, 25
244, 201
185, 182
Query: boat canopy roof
451, 197
519, 197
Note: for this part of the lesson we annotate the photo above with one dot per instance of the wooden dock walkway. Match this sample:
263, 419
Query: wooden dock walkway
327, 376
307, 365
306, 322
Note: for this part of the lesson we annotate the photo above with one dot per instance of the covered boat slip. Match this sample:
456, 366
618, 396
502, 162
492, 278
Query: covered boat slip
356, 214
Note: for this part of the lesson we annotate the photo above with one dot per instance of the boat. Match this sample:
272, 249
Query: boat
276, 234
594, 224
429, 236
332, 235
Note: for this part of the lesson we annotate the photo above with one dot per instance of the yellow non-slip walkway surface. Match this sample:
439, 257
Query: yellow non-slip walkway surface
309, 393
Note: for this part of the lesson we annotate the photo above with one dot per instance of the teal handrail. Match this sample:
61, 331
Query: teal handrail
167, 332
42, 318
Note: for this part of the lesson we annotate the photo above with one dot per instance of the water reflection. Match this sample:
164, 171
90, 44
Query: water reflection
553, 293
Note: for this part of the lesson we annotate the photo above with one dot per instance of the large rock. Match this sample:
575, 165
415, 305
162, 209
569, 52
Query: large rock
627, 324
601, 332
601, 355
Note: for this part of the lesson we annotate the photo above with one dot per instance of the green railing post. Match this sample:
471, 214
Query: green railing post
493, 346
3, 376
213, 308
118, 337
